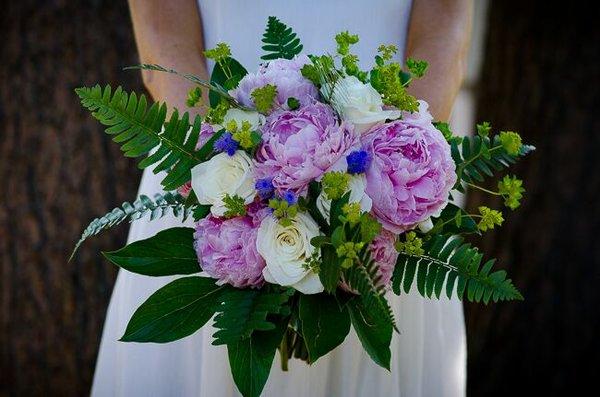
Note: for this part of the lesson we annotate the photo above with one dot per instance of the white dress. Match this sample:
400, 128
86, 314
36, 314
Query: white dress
429, 354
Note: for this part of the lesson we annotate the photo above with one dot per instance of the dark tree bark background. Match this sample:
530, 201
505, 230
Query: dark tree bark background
540, 77
59, 170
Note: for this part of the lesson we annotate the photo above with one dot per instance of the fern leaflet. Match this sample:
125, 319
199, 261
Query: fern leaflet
477, 156
363, 277
280, 41
242, 311
139, 130
449, 261
157, 208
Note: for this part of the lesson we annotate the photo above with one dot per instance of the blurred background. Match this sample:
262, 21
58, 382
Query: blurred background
534, 68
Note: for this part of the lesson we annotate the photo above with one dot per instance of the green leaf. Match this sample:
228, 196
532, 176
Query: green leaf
476, 156
325, 324
330, 270
243, 311
364, 278
168, 253
162, 205
175, 311
374, 333
220, 78
280, 41
251, 359
454, 220
139, 130
449, 261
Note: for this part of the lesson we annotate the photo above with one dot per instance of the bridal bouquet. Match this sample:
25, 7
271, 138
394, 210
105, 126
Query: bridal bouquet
315, 188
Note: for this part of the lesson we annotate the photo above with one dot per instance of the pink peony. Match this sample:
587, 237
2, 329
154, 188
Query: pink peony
226, 248
285, 75
412, 171
300, 146
384, 253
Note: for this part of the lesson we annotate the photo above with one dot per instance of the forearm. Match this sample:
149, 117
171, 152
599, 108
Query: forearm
169, 33
439, 33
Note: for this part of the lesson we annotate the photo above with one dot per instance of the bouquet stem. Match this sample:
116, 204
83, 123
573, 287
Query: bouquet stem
283, 352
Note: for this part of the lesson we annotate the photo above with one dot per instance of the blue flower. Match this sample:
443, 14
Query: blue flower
226, 143
358, 161
290, 197
265, 188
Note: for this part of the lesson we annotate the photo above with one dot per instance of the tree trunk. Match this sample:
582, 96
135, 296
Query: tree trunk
58, 170
540, 77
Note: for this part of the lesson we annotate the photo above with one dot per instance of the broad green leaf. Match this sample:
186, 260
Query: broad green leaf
331, 270
168, 253
219, 77
325, 324
175, 311
251, 359
374, 333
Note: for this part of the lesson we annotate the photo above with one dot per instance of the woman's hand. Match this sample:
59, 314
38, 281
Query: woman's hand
169, 33
439, 33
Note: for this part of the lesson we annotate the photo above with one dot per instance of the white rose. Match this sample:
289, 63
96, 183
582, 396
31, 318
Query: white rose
254, 118
357, 186
285, 250
360, 104
426, 225
221, 175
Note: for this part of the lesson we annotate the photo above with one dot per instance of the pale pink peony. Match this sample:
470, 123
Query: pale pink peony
300, 146
226, 248
411, 173
285, 75
384, 254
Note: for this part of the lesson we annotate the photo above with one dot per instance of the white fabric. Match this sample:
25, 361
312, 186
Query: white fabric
428, 356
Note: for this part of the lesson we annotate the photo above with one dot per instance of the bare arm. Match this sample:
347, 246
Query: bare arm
439, 33
169, 33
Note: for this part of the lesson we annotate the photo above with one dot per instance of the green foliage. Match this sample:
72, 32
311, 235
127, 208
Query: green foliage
215, 89
417, 67
335, 184
489, 218
387, 79
194, 97
251, 359
243, 311
325, 324
454, 220
219, 53
374, 333
449, 262
480, 156
293, 103
363, 277
225, 75
175, 311
511, 142
283, 211
344, 41
139, 130
167, 253
162, 205
263, 97
511, 188
412, 245
235, 206
279, 41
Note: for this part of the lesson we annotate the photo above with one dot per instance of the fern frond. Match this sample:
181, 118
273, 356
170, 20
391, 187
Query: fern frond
242, 311
139, 129
280, 41
162, 205
450, 262
477, 157
209, 85
363, 277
